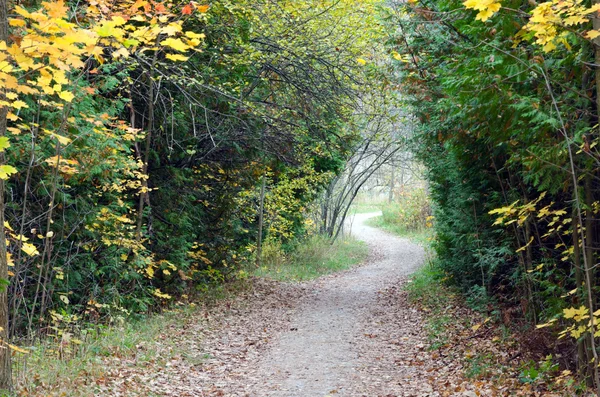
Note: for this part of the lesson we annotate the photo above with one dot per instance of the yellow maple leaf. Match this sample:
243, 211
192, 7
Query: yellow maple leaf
177, 57
6, 171
171, 29
66, 96
30, 249
592, 34
175, 44
17, 22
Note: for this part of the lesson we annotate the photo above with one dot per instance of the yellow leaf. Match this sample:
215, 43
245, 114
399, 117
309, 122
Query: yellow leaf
158, 293
548, 324
171, 29
175, 44
18, 349
121, 53
6, 171
30, 249
594, 8
193, 35
17, 22
62, 139
592, 34
66, 96
4, 143
177, 57
361, 61
19, 104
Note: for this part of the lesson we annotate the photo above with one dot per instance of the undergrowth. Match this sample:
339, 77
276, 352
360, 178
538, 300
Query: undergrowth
310, 258
409, 216
49, 368
66, 368
463, 326
427, 289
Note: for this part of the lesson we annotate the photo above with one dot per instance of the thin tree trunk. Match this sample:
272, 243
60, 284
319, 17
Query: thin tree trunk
587, 265
392, 180
145, 193
589, 254
261, 211
5, 362
582, 356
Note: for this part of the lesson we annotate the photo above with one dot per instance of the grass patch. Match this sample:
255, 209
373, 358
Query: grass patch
427, 289
480, 366
311, 258
364, 208
59, 368
422, 236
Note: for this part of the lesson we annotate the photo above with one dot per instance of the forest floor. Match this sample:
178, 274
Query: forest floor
352, 333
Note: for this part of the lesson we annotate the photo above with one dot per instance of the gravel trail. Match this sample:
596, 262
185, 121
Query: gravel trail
327, 349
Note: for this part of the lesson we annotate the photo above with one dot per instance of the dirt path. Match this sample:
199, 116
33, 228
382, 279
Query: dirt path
323, 351
347, 334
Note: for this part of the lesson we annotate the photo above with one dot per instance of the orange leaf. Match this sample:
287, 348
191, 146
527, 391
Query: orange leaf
187, 10
203, 8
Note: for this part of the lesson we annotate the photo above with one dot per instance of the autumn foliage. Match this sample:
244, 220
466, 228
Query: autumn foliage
136, 136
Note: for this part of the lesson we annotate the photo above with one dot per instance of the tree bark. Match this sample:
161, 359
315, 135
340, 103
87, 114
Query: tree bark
261, 211
5, 361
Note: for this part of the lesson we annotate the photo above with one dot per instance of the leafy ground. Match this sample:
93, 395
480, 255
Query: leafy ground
483, 349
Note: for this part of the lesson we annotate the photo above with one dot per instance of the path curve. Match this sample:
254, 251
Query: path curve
321, 353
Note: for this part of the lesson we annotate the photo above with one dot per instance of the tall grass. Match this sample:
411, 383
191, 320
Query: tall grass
310, 258
364, 208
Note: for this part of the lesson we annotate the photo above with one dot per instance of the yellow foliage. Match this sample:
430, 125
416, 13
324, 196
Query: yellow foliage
486, 8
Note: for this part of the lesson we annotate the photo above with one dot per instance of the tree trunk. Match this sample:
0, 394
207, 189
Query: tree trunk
392, 180
5, 363
145, 193
261, 211
582, 353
